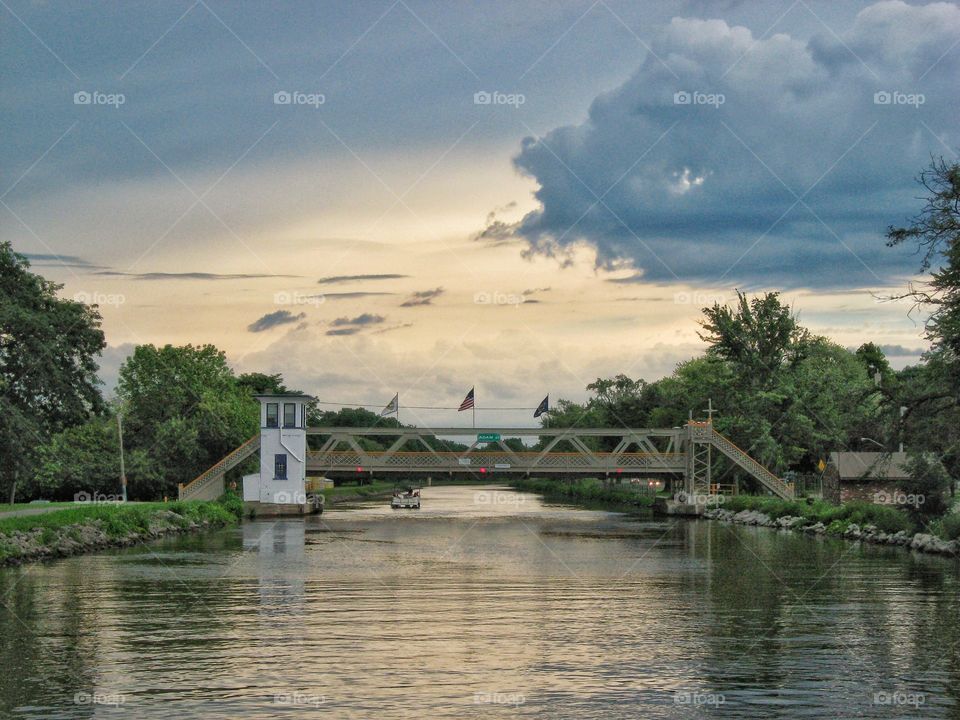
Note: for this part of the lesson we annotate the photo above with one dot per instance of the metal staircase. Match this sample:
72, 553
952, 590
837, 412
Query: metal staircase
766, 478
209, 484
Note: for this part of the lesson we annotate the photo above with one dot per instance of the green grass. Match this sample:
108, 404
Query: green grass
838, 517
586, 490
120, 520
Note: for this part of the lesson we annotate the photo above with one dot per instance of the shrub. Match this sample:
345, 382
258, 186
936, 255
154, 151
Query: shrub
888, 519
950, 527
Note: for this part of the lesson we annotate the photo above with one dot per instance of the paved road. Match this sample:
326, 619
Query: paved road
39, 510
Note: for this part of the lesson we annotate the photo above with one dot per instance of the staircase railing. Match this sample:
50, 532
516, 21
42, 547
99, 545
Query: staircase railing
198, 485
740, 457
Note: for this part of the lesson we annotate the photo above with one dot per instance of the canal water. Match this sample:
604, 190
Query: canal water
485, 603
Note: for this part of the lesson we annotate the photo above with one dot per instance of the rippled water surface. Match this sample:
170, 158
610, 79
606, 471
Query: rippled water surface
485, 603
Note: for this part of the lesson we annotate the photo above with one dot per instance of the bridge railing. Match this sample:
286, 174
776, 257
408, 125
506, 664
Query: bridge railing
516, 461
201, 488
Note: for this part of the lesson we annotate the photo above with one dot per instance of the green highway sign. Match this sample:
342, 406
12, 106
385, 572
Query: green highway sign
488, 437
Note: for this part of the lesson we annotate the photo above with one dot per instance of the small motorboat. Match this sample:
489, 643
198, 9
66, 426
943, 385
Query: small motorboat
409, 498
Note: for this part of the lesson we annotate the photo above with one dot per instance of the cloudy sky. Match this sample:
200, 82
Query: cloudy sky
420, 196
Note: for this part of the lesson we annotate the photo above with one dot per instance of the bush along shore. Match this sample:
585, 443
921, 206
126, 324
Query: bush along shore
854, 521
587, 490
76, 530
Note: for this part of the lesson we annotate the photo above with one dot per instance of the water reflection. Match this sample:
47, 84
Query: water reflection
481, 608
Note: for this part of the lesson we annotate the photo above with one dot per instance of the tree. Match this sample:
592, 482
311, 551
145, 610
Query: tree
928, 482
262, 384
936, 231
932, 395
785, 396
85, 460
759, 335
48, 378
184, 409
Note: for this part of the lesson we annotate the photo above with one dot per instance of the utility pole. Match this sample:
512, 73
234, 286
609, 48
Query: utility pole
903, 411
123, 472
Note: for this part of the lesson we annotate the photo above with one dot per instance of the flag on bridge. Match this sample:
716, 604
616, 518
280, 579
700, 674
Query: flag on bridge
392, 406
543, 407
467, 402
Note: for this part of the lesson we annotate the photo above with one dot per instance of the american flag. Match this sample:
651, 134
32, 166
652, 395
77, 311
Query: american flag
467, 401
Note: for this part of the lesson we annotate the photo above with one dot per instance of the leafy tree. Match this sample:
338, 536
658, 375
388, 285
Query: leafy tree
875, 361
48, 370
936, 231
932, 391
929, 479
183, 408
785, 396
263, 384
758, 335
85, 459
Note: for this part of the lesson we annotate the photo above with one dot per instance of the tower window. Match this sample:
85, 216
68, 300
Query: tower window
289, 415
280, 466
273, 412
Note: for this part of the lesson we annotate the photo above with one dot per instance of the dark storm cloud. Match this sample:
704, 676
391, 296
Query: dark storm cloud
364, 319
351, 295
53, 260
274, 319
422, 297
901, 351
791, 178
351, 278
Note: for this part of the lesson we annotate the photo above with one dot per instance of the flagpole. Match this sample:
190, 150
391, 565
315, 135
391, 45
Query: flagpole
474, 408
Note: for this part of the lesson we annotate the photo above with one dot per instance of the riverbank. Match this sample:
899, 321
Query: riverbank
857, 521
75, 530
587, 490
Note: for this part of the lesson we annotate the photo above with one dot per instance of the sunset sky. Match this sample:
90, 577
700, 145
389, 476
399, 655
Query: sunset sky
418, 197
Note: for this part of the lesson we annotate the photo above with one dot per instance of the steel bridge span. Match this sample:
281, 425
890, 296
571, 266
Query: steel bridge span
685, 452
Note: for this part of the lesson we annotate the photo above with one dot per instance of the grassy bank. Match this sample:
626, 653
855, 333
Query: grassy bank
76, 529
586, 490
836, 518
